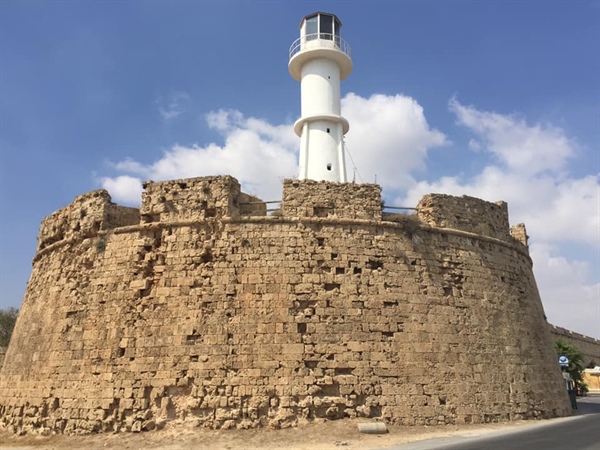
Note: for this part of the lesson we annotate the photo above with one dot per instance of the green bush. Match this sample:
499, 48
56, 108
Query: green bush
8, 317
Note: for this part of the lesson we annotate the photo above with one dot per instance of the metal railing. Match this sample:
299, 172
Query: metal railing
267, 210
336, 41
399, 207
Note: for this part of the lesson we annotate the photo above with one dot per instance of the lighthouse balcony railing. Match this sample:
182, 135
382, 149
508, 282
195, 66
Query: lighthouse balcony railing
320, 40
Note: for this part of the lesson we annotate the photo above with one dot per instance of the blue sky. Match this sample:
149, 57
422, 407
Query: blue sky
499, 100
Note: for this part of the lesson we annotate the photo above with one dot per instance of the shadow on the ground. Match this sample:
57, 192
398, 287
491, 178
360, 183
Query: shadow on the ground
589, 404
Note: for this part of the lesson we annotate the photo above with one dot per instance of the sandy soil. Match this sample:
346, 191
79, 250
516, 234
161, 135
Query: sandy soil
341, 434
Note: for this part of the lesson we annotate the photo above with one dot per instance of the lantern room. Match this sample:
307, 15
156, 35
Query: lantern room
320, 33
320, 26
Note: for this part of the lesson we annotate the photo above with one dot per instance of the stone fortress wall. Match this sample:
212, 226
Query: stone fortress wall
201, 307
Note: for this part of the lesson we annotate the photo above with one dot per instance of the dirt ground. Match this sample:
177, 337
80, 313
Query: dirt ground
340, 434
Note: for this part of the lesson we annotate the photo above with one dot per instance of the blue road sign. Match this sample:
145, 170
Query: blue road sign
563, 361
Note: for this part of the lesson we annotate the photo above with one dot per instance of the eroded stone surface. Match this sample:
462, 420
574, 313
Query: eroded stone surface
209, 311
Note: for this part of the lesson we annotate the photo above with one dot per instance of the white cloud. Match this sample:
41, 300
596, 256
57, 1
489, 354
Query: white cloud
123, 189
474, 145
129, 165
259, 154
389, 138
569, 299
559, 210
223, 120
554, 206
173, 105
524, 148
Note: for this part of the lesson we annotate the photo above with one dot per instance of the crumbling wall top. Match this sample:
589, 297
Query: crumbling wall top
87, 214
192, 199
218, 197
308, 198
465, 213
519, 233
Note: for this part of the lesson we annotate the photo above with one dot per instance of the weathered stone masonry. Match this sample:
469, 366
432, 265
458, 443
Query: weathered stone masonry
200, 307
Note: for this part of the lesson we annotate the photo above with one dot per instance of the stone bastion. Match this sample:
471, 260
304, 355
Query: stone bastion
202, 307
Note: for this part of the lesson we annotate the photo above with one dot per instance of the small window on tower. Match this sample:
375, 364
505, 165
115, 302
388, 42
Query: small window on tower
329, 166
328, 130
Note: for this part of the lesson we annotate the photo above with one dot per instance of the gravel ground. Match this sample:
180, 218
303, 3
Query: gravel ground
340, 434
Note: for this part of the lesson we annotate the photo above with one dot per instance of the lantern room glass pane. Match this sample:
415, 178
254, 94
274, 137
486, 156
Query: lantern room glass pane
312, 29
338, 25
326, 31
336, 31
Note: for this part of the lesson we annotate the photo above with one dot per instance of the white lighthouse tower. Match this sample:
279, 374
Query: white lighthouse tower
320, 59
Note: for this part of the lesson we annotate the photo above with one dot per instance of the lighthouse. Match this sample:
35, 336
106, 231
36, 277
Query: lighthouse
319, 60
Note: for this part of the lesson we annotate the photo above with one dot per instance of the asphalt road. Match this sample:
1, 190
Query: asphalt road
580, 432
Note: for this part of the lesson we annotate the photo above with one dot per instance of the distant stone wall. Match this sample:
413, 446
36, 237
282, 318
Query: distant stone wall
209, 313
591, 377
589, 347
